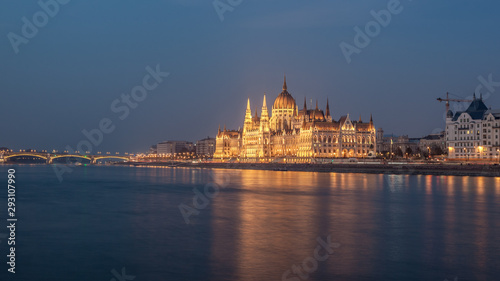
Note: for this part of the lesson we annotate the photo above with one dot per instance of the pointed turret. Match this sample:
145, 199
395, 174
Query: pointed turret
264, 116
316, 104
248, 113
360, 119
284, 84
248, 117
219, 129
264, 113
328, 116
225, 128
255, 116
305, 104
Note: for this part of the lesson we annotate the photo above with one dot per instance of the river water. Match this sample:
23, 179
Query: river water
103, 221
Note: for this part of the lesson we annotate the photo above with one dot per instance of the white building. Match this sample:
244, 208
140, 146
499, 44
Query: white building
206, 146
473, 133
171, 147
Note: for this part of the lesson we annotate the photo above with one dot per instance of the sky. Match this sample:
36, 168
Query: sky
66, 76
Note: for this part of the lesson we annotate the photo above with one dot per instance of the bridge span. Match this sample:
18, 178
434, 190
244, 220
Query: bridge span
49, 157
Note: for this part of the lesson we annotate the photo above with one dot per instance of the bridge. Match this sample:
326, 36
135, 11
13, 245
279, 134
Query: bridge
49, 157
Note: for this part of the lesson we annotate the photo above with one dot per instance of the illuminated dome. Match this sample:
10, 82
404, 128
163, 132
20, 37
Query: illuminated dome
284, 100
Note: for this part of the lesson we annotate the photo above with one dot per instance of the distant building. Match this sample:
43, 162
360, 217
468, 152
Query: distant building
171, 147
398, 145
473, 133
206, 146
381, 146
434, 144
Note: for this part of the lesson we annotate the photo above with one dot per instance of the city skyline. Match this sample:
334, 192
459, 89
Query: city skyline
420, 55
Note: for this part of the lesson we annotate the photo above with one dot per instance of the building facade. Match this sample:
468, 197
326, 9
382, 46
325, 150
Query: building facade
292, 135
434, 144
168, 148
473, 133
206, 147
399, 146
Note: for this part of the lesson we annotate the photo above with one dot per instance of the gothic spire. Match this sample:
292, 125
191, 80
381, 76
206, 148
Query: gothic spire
327, 108
316, 104
305, 104
264, 115
284, 84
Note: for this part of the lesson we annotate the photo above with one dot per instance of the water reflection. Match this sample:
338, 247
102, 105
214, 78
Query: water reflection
386, 224
390, 227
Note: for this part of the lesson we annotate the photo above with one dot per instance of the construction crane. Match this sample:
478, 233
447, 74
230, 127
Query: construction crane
447, 100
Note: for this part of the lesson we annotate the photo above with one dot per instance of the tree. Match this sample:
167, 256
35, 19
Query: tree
436, 150
398, 152
409, 151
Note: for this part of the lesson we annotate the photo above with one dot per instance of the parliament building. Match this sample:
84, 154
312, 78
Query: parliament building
295, 136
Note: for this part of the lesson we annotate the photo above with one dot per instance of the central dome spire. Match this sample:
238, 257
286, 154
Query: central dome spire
284, 100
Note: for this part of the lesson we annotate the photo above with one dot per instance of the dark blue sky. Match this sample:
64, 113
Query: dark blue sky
66, 77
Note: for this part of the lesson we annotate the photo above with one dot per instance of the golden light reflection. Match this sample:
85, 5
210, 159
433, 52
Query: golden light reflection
465, 184
271, 219
450, 185
497, 185
428, 184
482, 226
279, 215
480, 182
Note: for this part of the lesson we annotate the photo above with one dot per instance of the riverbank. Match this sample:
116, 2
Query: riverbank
407, 169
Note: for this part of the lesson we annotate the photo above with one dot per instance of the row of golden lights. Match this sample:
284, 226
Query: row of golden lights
66, 151
480, 148
180, 155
